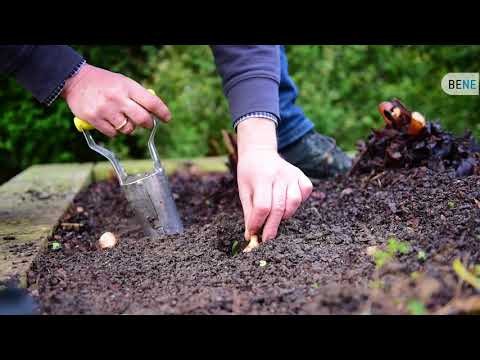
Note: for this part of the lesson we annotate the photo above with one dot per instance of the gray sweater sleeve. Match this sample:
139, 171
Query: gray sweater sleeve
250, 76
41, 69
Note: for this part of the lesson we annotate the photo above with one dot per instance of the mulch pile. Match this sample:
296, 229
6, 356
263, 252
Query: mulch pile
408, 140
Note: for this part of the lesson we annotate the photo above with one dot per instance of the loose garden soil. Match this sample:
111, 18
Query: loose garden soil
320, 263
400, 234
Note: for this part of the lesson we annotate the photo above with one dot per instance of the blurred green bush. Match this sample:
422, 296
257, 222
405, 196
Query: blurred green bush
340, 88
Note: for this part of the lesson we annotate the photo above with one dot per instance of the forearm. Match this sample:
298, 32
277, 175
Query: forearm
40, 69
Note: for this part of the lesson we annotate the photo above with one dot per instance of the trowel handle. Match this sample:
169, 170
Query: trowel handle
82, 125
152, 149
85, 127
151, 142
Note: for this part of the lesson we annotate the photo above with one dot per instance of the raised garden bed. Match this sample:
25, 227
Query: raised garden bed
323, 260
399, 235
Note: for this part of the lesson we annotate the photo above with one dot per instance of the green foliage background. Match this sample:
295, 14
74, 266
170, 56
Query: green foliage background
340, 88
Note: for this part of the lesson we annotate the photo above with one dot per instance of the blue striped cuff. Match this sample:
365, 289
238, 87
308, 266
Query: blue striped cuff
256, 114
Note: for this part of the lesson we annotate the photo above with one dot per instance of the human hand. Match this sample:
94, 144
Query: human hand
270, 188
106, 99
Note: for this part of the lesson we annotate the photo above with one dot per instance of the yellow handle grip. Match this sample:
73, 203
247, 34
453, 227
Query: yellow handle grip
82, 125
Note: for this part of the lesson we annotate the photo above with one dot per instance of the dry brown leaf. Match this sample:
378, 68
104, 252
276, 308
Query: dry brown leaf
71, 226
477, 202
465, 275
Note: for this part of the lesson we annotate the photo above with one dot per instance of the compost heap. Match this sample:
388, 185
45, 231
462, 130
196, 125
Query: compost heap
409, 141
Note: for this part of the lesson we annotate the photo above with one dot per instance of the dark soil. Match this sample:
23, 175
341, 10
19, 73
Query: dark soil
318, 264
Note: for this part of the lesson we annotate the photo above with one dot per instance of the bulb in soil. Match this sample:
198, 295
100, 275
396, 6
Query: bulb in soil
417, 123
107, 240
252, 244
384, 109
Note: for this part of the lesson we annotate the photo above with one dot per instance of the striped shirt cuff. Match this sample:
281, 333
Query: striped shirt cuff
256, 114
56, 93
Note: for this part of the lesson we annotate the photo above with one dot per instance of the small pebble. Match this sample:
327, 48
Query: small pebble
371, 250
346, 192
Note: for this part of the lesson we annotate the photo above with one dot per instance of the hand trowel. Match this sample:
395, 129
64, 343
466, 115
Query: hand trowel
149, 193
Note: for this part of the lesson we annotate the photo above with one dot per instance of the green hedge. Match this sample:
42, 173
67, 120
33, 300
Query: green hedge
340, 88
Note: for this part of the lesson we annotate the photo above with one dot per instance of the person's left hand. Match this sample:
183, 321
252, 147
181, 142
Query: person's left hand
112, 102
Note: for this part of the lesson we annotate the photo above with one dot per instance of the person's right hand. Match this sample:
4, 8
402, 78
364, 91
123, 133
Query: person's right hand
106, 99
270, 188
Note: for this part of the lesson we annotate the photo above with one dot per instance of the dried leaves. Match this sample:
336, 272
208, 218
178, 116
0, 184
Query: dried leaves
463, 273
408, 141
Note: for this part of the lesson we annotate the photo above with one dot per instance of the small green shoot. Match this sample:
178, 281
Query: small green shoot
235, 248
381, 258
394, 247
263, 263
451, 204
56, 246
422, 256
416, 307
315, 286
